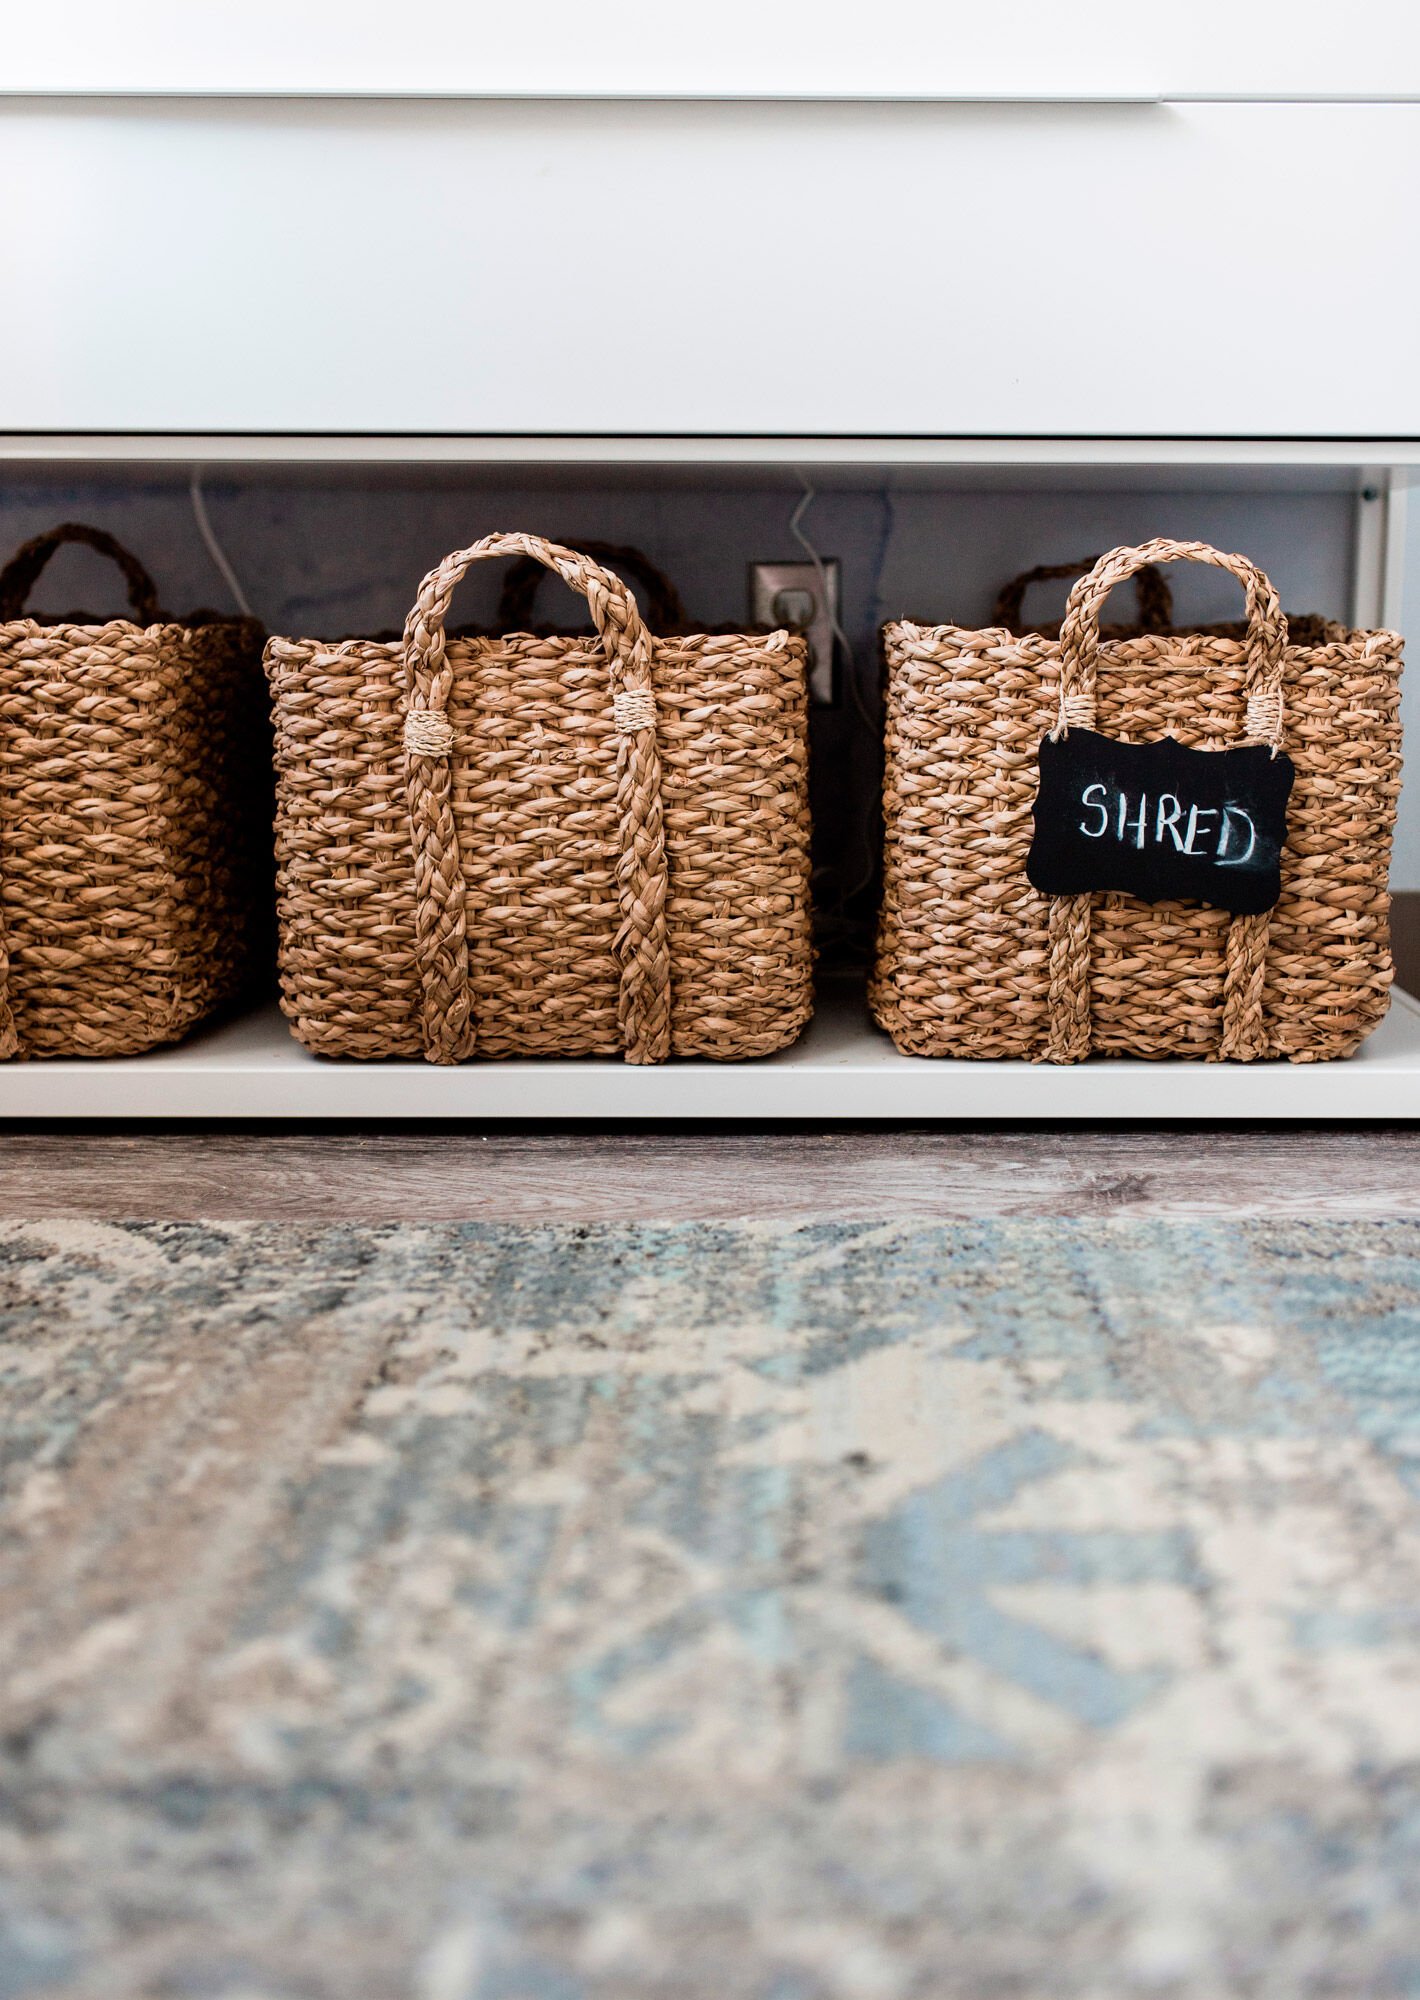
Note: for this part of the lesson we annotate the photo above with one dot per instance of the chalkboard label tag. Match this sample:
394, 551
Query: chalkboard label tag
1161, 822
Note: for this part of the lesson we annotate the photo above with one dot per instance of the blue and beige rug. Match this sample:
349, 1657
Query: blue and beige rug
710, 1613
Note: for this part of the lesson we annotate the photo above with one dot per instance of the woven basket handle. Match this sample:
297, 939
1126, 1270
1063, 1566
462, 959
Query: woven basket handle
1155, 597
22, 572
1080, 634
664, 610
1244, 1030
440, 895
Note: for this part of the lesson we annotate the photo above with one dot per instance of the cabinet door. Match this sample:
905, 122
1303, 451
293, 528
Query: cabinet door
1208, 269
736, 48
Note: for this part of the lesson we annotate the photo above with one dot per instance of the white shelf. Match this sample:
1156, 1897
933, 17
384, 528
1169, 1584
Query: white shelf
842, 1068
930, 455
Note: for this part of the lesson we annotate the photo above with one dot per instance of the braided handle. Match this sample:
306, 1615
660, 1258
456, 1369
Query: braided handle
1155, 597
1244, 1027
1080, 634
440, 894
664, 609
22, 572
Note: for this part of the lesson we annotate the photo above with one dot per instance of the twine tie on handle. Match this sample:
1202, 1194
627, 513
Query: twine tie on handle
1077, 711
1263, 723
633, 709
441, 933
428, 733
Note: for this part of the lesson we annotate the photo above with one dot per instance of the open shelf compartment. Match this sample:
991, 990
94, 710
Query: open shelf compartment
332, 533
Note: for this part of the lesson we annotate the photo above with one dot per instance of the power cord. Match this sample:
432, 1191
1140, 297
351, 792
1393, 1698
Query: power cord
855, 693
214, 547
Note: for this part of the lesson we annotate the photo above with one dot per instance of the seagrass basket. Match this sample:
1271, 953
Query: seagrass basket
1154, 612
542, 844
133, 770
660, 601
972, 961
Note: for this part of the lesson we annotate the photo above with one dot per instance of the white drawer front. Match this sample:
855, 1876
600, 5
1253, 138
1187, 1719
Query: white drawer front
1212, 270
737, 48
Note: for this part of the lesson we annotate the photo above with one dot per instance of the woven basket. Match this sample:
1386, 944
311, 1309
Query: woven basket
972, 961
661, 604
542, 844
131, 775
1155, 611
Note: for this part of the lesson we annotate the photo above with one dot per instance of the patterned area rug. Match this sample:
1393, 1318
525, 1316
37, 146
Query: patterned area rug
710, 1613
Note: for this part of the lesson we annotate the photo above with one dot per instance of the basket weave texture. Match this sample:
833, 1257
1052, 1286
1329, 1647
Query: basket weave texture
543, 844
973, 961
131, 775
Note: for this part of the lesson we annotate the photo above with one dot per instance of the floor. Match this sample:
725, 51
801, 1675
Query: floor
436, 1175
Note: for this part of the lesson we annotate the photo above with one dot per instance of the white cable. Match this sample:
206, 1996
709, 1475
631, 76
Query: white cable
850, 666
796, 530
214, 547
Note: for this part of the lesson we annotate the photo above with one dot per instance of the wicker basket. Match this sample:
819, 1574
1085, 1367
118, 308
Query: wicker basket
660, 605
972, 961
131, 772
542, 844
1154, 612
1155, 608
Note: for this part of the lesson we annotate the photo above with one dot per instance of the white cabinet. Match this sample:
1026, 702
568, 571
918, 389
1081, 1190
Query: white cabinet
1206, 270
1012, 281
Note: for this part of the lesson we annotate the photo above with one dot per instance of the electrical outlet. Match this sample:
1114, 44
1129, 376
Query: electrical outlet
790, 593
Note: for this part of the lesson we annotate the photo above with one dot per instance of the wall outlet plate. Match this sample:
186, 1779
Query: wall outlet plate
790, 593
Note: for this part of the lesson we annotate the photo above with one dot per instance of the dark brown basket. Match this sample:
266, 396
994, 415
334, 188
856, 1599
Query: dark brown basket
1151, 587
660, 602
